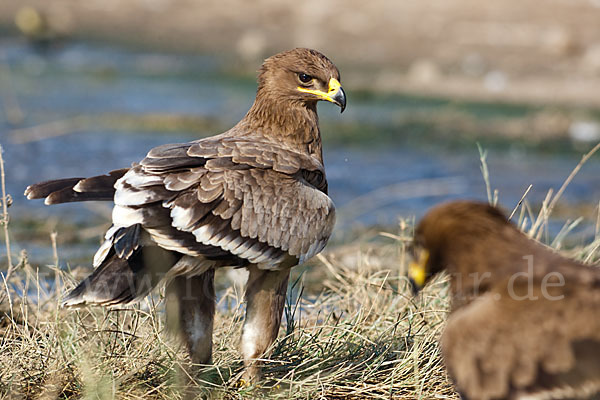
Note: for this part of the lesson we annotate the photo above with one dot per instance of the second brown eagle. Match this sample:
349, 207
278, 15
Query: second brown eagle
525, 320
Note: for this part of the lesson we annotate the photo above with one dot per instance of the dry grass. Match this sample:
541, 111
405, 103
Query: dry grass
362, 336
355, 332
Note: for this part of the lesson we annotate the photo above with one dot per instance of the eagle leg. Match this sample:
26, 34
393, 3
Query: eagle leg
265, 298
191, 311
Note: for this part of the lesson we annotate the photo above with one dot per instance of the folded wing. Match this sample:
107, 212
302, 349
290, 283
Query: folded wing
246, 201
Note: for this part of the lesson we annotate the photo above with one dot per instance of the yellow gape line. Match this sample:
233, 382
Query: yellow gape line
334, 88
417, 269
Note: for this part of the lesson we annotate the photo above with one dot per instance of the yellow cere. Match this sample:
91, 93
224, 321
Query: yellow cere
334, 87
417, 269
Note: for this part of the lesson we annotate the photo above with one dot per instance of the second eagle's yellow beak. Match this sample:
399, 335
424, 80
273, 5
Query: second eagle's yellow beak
417, 271
335, 93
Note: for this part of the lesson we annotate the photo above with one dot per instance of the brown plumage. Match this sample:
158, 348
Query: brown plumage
254, 196
525, 321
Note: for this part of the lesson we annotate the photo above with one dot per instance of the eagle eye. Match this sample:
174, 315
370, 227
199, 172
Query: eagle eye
304, 78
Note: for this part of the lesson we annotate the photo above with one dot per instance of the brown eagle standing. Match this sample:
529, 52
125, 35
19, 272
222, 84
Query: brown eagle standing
525, 321
254, 196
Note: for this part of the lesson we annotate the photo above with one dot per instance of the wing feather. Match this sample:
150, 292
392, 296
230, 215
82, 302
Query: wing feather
247, 199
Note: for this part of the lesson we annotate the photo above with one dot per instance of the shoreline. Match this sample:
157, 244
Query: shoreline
464, 49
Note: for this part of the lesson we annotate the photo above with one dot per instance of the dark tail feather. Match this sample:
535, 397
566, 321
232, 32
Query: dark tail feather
99, 188
123, 280
102, 182
43, 189
68, 195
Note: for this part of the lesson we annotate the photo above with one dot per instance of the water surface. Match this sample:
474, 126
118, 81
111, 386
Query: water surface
381, 172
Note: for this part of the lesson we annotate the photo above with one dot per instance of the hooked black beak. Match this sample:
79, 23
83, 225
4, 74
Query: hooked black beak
339, 98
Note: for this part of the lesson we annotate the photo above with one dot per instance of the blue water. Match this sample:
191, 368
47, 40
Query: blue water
370, 183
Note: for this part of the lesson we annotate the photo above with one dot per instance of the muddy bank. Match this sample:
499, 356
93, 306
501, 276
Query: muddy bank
513, 50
